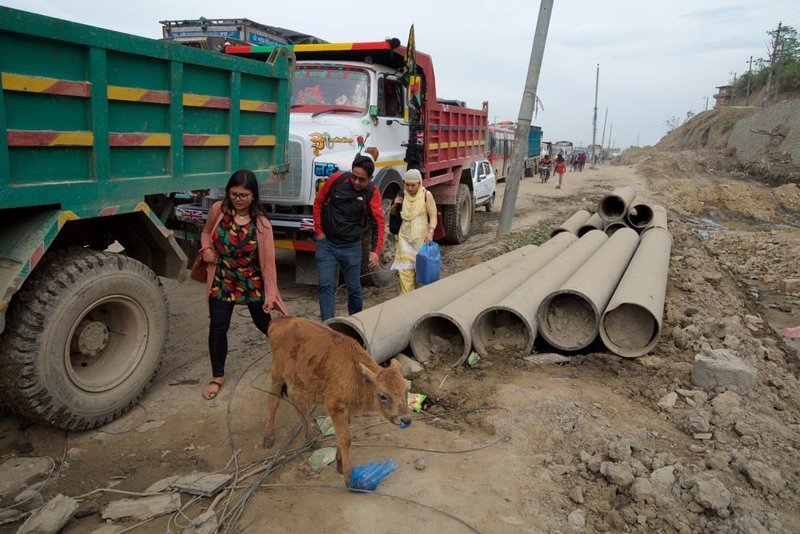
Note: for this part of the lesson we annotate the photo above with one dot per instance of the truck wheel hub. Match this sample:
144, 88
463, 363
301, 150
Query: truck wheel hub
90, 338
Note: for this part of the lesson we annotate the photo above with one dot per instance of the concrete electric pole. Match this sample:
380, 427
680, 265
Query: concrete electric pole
594, 121
749, 77
524, 119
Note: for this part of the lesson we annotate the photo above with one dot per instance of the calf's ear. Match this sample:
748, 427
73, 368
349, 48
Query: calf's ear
368, 374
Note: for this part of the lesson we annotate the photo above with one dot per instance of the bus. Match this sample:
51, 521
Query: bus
500, 143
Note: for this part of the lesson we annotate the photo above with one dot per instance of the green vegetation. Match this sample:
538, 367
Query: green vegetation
784, 49
530, 236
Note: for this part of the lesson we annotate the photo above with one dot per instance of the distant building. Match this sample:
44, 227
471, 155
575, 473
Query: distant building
723, 96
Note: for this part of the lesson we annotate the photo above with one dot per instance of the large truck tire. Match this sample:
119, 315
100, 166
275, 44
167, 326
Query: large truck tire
458, 218
382, 275
84, 339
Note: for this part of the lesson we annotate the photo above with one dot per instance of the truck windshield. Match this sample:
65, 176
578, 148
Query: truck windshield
319, 89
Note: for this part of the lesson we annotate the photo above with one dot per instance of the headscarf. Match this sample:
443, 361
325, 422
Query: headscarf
414, 212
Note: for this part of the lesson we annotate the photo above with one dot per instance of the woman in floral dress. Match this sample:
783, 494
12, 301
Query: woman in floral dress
238, 249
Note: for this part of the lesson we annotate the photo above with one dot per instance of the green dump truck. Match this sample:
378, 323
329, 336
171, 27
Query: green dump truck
98, 131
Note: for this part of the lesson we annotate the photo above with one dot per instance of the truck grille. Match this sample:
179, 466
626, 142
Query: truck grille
288, 187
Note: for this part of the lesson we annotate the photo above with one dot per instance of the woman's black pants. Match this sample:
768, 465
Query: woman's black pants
220, 312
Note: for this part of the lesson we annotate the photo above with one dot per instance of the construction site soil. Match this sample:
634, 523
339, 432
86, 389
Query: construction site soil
597, 443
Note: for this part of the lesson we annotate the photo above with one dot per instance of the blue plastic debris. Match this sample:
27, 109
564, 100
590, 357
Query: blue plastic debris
368, 476
404, 425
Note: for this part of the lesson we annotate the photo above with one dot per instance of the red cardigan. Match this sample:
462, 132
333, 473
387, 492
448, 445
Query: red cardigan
266, 256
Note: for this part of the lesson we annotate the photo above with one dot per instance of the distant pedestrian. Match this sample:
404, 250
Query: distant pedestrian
559, 170
581, 161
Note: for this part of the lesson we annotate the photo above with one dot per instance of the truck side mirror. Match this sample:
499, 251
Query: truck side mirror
373, 112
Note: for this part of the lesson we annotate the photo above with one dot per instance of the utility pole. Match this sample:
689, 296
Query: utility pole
603, 139
772, 65
594, 121
778, 69
637, 139
706, 102
733, 88
525, 114
610, 131
749, 78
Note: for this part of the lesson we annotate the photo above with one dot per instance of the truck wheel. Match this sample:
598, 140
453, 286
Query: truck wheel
382, 275
458, 218
84, 339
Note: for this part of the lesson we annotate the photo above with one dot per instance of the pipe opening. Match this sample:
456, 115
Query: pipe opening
614, 227
436, 338
640, 216
568, 321
349, 331
612, 207
498, 332
583, 230
631, 328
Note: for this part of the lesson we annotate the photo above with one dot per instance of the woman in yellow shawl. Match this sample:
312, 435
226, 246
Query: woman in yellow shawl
419, 221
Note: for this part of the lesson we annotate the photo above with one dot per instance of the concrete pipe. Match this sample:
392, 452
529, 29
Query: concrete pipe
511, 323
573, 224
613, 207
639, 216
659, 218
569, 318
612, 227
385, 330
595, 222
452, 323
631, 325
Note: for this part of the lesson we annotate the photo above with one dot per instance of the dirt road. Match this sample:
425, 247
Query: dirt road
506, 447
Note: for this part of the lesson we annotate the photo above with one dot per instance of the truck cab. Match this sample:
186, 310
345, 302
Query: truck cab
347, 97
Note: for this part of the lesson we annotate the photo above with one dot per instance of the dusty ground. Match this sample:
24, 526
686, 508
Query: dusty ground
509, 447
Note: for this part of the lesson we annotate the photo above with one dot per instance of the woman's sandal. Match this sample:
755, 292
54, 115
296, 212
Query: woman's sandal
208, 392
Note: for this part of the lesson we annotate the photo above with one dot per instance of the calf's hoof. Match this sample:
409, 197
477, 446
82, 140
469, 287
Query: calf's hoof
269, 441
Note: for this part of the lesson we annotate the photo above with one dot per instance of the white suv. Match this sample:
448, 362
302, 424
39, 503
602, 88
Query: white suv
484, 183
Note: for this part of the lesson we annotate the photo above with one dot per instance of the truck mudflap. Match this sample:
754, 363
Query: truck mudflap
24, 238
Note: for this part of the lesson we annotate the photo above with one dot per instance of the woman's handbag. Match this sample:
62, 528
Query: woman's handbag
199, 271
395, 222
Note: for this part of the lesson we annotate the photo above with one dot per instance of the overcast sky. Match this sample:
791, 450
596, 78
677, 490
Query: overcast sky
657, 59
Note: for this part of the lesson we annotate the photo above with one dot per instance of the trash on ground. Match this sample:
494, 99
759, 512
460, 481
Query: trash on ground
792, 332
322, 457
416, 400
325, 425
473, 358
368, 476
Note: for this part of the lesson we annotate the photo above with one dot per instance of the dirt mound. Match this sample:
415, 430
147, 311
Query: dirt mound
709, 129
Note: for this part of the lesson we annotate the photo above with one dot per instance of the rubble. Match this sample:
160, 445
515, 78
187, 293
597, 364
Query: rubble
50, 518
722, 367
143, 508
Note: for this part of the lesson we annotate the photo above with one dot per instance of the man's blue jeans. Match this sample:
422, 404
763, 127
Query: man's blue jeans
329, 257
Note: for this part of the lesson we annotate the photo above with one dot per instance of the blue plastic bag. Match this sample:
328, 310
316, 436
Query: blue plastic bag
368, 476
429, 263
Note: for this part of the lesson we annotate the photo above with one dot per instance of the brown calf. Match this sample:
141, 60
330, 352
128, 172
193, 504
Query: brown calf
318, 365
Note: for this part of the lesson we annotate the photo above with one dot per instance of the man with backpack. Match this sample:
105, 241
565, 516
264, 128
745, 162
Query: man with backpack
343, 207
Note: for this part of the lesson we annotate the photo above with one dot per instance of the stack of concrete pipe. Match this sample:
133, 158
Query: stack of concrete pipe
585, 283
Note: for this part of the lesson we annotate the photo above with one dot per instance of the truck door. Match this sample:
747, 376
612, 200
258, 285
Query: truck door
391, 132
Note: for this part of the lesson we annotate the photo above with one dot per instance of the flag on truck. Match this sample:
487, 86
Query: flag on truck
412, 81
